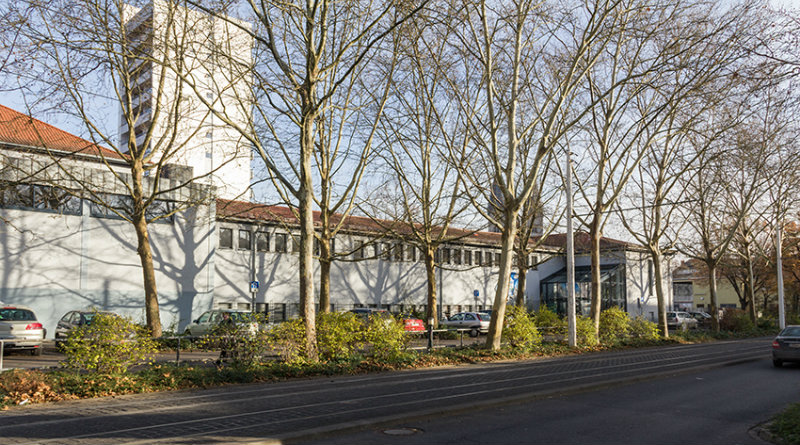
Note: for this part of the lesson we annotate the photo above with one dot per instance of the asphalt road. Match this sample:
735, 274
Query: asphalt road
718, 406
313, 409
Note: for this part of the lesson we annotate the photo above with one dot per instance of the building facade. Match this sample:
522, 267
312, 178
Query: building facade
204, 67
62, 252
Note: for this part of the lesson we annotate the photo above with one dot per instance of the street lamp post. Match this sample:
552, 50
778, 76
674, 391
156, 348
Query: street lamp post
573, 336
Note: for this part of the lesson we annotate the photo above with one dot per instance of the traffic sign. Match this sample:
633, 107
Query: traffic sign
476, 292
254, 286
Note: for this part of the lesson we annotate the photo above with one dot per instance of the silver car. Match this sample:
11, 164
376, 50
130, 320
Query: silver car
19, 329
476, 322
680, 320
206, 323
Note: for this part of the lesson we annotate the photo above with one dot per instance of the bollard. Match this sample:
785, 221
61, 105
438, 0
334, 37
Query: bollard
178, 351
430, 334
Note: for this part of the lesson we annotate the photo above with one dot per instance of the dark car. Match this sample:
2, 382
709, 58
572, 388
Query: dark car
703, 318
786, 346
72, 320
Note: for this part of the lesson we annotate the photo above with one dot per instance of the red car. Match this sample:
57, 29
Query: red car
412, 324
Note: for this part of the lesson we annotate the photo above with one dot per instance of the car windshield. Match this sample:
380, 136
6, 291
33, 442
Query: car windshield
484, 317
14, 314
791, 331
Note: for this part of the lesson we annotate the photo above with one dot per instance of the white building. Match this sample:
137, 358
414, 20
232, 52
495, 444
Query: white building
204, 62
62, 253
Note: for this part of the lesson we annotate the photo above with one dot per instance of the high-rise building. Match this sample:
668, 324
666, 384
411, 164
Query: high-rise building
181, 64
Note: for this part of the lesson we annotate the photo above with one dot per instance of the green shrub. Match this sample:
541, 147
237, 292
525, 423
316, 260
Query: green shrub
641, 329
386, 337
339, 335
519, 329
614, 325
288, 339
242, 343
549, 322
584, 327
110, 344
736, 320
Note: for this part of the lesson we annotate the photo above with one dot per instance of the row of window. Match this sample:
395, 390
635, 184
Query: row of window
51, 199
396, 252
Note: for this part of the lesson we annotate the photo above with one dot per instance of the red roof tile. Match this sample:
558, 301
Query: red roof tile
20, 129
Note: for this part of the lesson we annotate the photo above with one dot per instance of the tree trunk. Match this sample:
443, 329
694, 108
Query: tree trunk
500, 297
325, 273
145, 252
139, 219
522, 280
431, 312
660, 300
751, 289
712, 287
306, 199
594, 234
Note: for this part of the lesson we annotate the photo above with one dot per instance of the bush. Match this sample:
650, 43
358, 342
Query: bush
387, 338
19, 386
288, 339
241, 343
614, 326
110, 344
736, 320
339, 335
519, 329
585, 331
549, 322
642, 329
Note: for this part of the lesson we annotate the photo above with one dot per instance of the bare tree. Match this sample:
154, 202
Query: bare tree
523, 61
135, 55
422, 191
306, 53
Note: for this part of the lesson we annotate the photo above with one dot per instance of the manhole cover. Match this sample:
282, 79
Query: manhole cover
401, 431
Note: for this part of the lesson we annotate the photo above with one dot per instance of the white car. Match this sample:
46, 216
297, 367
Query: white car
19, 329
476, 322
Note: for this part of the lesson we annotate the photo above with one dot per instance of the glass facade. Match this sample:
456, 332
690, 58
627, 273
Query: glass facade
553, 289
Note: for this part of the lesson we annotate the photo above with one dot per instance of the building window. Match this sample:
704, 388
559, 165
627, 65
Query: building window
534, 264
497, 259
488, 259
387, 251
478, 258
295, 245
262, 241
445, 255
411, 253
398, 252
226, 238
468, 257
280, 242
244, 240
456, 256
358, 249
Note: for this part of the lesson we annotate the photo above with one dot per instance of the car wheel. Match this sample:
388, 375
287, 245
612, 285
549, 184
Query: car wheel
474, 332
777, 362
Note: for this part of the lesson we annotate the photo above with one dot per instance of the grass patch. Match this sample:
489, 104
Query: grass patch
786, 425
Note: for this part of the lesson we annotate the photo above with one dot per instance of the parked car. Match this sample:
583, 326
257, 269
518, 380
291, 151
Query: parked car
73, 320
20, 330
209, 320
786, 346
412, 323
703, 318
476, 322
682, 320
